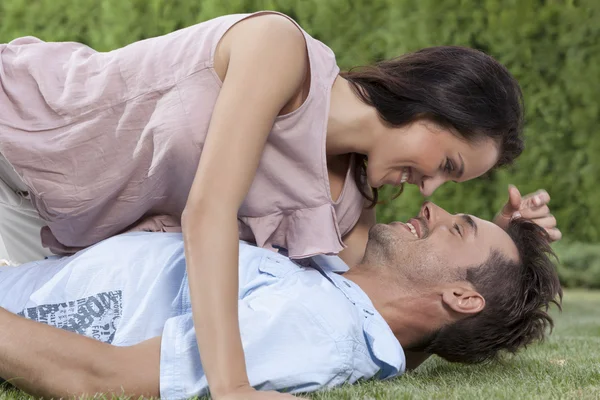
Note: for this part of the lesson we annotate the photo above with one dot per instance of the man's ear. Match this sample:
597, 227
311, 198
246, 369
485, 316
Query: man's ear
463, 300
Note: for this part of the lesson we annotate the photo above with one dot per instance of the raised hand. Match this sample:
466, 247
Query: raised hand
533, 206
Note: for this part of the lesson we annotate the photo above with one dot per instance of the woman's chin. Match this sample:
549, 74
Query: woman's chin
374, 184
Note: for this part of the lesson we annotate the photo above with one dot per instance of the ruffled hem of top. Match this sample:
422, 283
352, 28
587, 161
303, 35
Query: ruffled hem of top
154, 223
303, 233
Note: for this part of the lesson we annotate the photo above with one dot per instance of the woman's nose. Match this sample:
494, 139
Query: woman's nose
430, 184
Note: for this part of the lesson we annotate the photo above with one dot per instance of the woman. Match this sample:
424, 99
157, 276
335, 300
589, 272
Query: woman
242, 127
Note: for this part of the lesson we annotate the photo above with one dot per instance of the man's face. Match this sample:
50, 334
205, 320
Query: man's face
437, 246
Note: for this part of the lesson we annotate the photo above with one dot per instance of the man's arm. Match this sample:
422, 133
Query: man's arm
49, 362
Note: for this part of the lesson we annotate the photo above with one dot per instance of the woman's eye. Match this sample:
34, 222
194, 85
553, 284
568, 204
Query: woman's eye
458, 229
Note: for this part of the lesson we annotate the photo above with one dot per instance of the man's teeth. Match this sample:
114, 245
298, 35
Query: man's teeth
412, 229
404, 175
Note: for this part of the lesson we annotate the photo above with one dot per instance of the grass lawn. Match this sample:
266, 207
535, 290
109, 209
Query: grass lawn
567, 366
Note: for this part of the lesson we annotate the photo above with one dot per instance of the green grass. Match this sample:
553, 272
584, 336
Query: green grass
566, 366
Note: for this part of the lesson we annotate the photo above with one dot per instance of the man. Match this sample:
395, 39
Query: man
451, 285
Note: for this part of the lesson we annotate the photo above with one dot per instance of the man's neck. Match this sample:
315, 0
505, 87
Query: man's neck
411, 314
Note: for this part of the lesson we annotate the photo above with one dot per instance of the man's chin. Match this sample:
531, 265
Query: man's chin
388, 234
377, 230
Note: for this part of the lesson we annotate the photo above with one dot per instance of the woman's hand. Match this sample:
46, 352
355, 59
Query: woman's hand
533, 206
249, 393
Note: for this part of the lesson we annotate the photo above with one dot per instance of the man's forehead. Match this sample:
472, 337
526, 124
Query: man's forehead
494, 237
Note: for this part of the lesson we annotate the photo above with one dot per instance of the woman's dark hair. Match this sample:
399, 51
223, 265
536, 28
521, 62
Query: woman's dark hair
456, 87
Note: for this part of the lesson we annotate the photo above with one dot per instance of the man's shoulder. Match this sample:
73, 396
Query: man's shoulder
351, 314
314, 291
325, 312
328, 322
335, 312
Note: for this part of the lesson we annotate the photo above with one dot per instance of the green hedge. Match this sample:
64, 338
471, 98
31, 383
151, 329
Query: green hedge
579, 264
551, 46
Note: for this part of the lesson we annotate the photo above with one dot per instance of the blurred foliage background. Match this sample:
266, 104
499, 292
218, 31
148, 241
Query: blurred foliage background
551, 46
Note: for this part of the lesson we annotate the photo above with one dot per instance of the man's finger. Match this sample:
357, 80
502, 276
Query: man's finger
537, 198
514, 202
554, 234
546, 222
514, 197
535, 212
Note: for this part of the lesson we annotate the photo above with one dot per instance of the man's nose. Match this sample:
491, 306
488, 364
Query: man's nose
430, 183
433, 213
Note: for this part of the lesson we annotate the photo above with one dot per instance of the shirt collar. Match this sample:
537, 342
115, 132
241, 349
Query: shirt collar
330, 263
380, 338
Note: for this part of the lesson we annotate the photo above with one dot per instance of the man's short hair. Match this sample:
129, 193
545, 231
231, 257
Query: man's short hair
517, 297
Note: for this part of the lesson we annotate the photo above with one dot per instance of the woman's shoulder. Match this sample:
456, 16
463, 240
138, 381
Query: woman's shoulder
279, 28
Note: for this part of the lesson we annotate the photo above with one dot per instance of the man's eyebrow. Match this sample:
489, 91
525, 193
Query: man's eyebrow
461, 169
470, 221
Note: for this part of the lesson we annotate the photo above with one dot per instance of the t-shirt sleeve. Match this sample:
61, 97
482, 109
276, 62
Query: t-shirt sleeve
286, 349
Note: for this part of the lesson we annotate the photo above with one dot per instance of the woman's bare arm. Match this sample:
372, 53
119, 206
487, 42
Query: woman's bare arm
357, 238
267, 65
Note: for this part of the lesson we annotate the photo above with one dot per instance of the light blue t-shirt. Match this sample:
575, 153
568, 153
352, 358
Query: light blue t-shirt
304, 327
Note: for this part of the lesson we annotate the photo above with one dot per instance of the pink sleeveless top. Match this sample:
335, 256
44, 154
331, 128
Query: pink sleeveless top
110, 142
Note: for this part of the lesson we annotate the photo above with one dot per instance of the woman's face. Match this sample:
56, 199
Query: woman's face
425, 154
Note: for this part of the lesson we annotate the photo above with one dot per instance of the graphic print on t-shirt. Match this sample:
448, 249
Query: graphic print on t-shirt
96, 316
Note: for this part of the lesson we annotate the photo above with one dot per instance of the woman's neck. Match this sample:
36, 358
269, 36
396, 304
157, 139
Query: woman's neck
351, 124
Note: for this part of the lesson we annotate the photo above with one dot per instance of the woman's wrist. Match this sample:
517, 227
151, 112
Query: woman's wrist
220, 390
